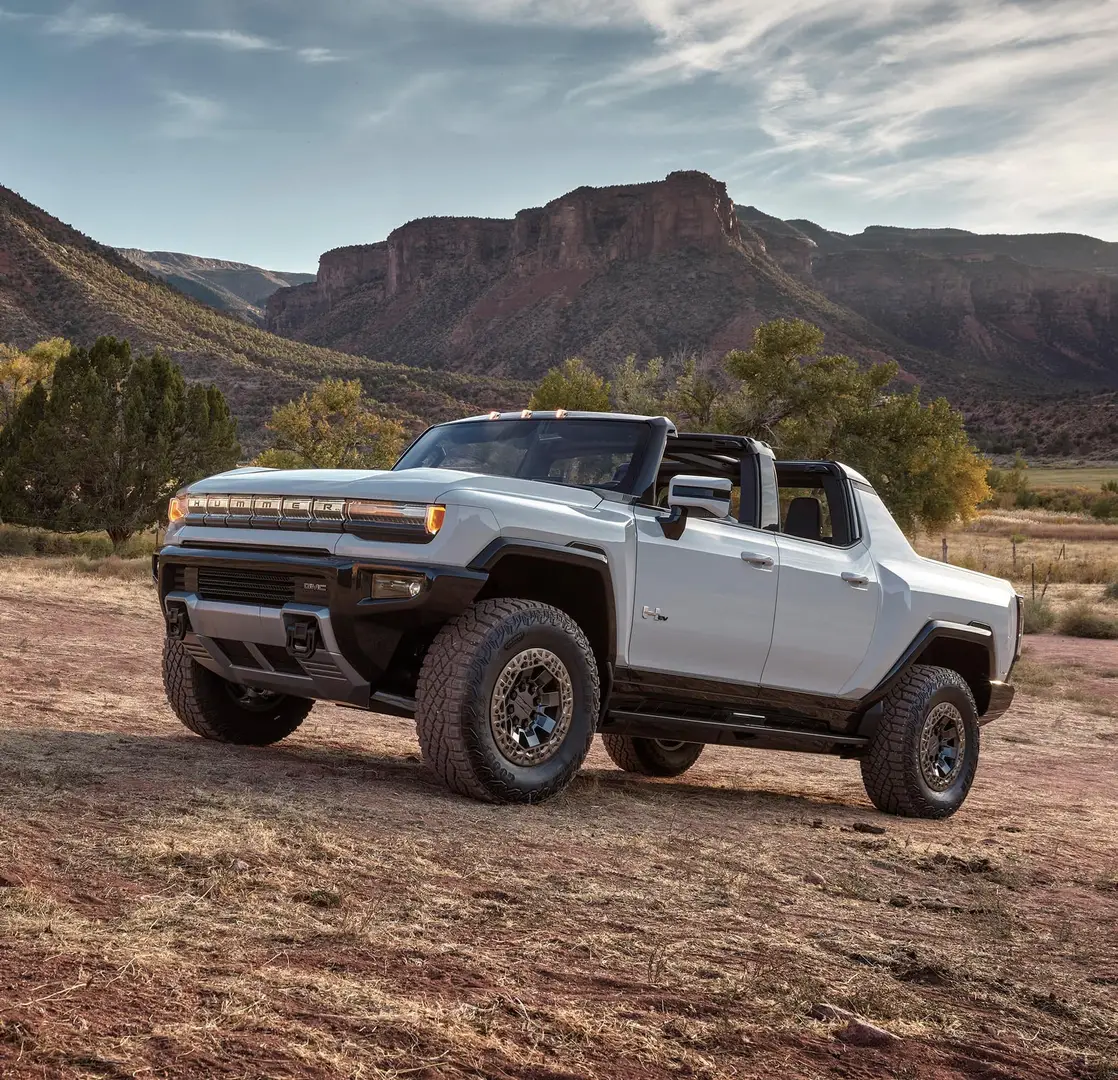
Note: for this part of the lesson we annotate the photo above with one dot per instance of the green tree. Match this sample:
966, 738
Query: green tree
636, 390
332, 427
1011, 481
701, 395
573, 386
20, 371
113, 438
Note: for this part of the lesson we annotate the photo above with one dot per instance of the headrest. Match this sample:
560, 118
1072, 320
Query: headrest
804, 519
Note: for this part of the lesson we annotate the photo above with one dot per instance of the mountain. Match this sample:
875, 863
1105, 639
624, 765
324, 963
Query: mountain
54, 281
235, 287
601, 272
650, 268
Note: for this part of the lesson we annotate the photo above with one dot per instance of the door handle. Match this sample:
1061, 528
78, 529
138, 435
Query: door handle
756, 559
857, 580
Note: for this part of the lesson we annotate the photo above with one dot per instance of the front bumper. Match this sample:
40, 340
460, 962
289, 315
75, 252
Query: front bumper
305, 624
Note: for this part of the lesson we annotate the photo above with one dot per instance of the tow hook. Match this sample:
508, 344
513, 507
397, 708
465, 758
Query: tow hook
178, 621
302, 638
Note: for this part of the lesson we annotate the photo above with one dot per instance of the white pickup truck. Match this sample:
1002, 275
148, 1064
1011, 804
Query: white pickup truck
520, 582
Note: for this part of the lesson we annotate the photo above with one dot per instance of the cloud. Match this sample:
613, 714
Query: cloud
190, 116
1004, 106
86, 28
315, 55
395, 105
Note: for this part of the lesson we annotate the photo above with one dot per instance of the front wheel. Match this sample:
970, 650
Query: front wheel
922, 758
217, 709
651, 757
507, 701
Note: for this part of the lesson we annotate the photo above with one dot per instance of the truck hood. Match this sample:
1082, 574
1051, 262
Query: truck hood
407, 485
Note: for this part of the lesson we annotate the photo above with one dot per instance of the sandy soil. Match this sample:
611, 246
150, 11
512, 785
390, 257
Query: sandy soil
173, 908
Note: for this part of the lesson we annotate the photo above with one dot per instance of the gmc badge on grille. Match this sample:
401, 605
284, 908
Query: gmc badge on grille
313, 586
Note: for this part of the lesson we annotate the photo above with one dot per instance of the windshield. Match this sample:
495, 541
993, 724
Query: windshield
579, 453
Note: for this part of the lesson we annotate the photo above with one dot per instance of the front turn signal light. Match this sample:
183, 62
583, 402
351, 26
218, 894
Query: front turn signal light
176, 509
436, 515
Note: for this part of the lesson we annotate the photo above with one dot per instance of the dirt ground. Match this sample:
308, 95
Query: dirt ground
174, 908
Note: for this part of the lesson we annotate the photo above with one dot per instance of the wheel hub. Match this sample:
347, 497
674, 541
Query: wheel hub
943, 746
532, 707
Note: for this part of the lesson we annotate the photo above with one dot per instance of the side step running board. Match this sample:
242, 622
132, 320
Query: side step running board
738, 728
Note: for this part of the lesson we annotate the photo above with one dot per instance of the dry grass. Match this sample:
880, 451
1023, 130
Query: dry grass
1063, 549
174, 908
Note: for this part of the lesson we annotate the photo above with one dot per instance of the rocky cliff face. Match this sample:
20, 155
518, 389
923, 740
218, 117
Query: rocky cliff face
988, 310
581, 232
652, 268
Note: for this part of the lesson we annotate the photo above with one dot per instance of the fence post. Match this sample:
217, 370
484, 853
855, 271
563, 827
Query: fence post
1013, 541
945, 549
1032, 576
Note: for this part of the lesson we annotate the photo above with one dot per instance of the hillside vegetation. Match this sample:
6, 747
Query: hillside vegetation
237, 288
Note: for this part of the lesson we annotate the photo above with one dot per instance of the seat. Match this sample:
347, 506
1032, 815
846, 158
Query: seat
804, 519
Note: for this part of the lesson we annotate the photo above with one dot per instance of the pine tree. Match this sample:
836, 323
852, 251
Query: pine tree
111, 441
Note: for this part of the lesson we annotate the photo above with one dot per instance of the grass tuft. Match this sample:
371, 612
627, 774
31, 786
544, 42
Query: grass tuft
1083, 620
1039, 616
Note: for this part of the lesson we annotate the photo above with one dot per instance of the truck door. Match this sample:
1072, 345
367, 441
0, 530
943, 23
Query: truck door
704, 604
829, 590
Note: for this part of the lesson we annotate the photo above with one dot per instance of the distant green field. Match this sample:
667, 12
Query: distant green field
1085, 476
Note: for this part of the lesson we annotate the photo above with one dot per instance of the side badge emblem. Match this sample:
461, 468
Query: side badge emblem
653, 613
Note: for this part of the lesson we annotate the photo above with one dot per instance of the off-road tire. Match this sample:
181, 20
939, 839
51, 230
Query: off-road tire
650, 757
204, 703
891, 769
455, 691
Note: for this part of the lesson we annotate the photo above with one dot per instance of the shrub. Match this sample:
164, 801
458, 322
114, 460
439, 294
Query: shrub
1105, 507
1082, 620
18, 540
1039, 615
1111, 591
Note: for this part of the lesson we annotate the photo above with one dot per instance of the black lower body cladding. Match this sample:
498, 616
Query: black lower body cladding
508, 701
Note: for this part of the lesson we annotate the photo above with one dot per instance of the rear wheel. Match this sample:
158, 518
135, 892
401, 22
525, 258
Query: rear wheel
507, 701
651, 757
923, 757
217, 709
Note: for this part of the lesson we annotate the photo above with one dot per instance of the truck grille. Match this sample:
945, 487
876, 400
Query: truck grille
245, 586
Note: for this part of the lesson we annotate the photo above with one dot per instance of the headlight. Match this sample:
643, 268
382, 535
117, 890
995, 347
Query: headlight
405, 516
372, 519
177, 509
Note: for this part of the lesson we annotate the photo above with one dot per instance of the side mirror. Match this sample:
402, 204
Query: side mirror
711, 495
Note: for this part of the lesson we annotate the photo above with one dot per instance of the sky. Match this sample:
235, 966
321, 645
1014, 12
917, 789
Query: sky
269, 131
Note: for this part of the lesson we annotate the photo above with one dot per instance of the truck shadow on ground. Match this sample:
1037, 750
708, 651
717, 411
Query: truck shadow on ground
129, 766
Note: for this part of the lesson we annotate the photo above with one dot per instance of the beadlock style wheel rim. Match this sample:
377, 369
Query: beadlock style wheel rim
943, 746
669, 745
532, 707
